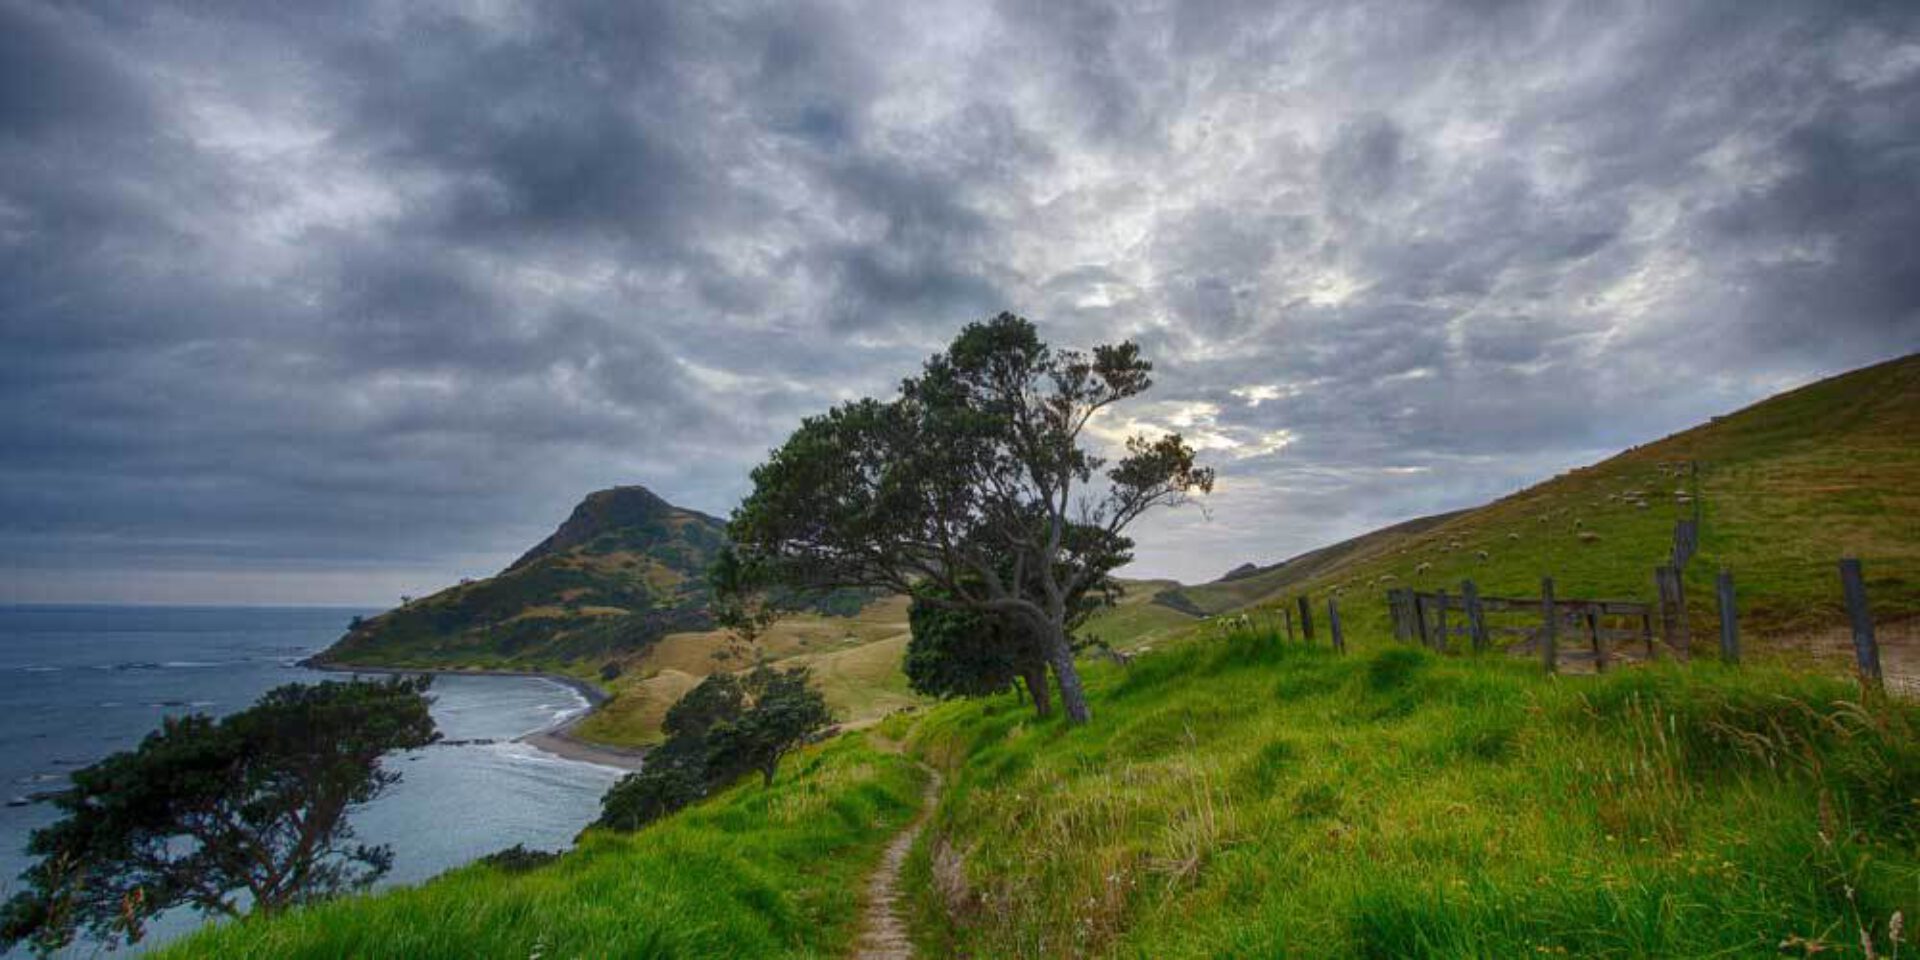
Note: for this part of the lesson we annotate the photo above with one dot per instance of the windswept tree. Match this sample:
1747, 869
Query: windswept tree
219, 815
956, 651
726, 726
973, 482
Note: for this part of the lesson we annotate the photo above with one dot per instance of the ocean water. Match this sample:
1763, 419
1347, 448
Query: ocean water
77, 683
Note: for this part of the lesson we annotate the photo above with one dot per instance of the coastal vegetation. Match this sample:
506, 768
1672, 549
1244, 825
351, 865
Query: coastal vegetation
751, 872
244, 813
725, 727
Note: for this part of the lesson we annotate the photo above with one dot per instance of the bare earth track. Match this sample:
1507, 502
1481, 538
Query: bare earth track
883, 934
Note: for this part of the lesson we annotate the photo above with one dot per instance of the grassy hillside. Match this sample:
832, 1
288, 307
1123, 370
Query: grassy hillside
625, 569
1242, 590
1784, 489
1138, 617
1237, 797
752, 873
856, 661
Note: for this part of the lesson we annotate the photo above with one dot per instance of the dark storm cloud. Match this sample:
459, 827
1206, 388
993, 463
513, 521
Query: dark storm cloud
304, 302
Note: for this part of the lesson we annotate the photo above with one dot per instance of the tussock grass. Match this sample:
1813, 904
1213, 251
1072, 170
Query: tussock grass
1236, 796
754, 872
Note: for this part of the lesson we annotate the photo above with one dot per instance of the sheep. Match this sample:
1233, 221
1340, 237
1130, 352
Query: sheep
1388, 578
1482, 554
1423, 567
1513, 536
1578, 523
1588, 536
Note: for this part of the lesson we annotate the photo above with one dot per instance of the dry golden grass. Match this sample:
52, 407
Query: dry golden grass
856, 662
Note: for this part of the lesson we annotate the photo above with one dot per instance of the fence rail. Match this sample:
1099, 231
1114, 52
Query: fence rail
1424, 617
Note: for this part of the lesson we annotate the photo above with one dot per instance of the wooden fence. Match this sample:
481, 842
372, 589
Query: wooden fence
1601, 625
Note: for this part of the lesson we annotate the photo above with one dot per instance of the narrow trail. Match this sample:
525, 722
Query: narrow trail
883, 927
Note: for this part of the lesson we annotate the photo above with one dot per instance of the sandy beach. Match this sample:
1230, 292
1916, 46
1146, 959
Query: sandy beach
557, 740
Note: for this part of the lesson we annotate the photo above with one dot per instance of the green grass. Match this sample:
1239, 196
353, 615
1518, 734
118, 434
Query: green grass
1236, 797
1787, 487
752, 873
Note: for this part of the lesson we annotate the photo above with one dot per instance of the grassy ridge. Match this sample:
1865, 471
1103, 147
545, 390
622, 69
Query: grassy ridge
1236, 797
752, 873
1785, 488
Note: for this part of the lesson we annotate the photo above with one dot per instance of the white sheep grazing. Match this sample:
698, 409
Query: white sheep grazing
1578, 523
1513, 536
1482, 554
1424, 567
1388, 578
1453, 544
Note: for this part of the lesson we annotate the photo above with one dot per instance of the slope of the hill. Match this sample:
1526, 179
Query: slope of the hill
1245, 586
1783, 489
752, 872
626, 568
1139, 615
855, 659
1236, 795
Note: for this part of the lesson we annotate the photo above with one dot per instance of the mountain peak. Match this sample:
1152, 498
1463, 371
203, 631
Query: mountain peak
606, 511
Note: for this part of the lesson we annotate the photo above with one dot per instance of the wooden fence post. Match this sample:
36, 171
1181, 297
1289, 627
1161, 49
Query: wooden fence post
1681, 631
1665, 603
1599, 645
1397, 608
1549, 633
1729, 620
1420, 621
1333, 626
1673, 611
1646, 633
1476, 617
1440, 633
1286, 613
1866, 650
1306, 619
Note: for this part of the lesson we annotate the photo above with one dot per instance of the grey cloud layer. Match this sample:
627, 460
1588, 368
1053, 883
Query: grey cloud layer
370, 296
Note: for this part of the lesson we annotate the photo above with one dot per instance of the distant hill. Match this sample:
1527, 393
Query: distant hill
626, 568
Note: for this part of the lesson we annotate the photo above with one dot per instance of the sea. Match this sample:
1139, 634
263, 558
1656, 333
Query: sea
80, 682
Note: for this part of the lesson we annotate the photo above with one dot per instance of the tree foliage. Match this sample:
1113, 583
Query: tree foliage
205, 812
723, 728
972, 481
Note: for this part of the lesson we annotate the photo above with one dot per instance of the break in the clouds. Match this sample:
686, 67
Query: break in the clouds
328, 302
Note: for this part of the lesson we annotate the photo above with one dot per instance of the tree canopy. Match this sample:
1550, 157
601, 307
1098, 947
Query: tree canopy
973, 480
721, 729
207, 812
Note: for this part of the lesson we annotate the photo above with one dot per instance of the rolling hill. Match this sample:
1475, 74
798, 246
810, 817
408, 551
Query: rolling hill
1783, 489
624, 569
618, 595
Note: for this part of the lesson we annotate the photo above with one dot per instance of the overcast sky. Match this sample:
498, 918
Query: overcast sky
330, 306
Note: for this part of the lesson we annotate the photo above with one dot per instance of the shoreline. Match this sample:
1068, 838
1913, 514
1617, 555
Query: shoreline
557, 739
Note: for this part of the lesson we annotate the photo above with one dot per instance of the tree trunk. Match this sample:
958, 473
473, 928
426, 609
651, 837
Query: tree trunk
1060, 654
1035, 675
